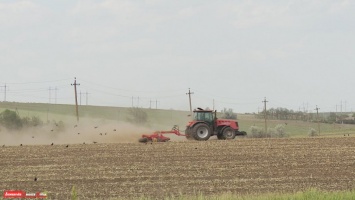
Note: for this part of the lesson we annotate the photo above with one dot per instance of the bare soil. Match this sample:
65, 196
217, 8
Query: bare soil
128, 170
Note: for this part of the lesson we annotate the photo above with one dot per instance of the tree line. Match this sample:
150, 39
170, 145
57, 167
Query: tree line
289, 114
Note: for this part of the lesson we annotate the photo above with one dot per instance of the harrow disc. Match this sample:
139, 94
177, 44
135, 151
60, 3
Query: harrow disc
143, 140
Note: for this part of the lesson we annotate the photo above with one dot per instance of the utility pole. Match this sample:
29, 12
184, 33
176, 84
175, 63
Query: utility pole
341, 107
156, 104
150, 104
265, 115
76, 99
345, 107
80, 97
49, 97
55, 95
5, 88
87, 97
336, 113
189, 93
318, 119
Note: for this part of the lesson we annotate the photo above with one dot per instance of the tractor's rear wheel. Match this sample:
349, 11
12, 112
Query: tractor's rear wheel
228, 133
201, 132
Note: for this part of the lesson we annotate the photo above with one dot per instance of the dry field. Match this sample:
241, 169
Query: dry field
128, 170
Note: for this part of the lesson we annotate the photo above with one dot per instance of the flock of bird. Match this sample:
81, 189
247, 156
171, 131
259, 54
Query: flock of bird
75, 126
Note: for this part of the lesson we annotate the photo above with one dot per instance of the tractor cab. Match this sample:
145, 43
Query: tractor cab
204, 115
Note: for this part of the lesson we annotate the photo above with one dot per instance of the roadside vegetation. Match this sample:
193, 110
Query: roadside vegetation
12, 120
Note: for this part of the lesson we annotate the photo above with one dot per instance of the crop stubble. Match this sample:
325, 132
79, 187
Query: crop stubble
130, 170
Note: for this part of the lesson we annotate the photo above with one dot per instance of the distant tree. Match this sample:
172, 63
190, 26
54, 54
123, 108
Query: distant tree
332, 117
228, 114
10, 119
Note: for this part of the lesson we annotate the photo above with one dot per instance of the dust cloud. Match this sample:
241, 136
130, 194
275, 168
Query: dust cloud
87, 131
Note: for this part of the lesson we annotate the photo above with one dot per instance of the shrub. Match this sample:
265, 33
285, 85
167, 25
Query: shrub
33, 121
280, 131
10, 119
312, 132
257, 132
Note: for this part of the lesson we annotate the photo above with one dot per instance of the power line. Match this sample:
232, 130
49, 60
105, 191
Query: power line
25, 83
140, 91
55, 94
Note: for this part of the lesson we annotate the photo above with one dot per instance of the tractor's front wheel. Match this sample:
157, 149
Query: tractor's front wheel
201, 132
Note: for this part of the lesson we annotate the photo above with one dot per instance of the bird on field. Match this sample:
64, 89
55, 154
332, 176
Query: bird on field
75, 126
114, 129
67, 145
100, 133
95, 126
94, 142
52, 144
35, 179
83, 142
52, 130
20, 144
78, 133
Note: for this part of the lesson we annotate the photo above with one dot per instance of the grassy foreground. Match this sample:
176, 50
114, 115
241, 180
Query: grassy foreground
311, 194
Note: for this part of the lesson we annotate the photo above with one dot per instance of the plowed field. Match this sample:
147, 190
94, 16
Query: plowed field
127, 170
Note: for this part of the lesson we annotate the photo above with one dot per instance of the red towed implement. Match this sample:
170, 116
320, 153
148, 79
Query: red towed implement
158, 136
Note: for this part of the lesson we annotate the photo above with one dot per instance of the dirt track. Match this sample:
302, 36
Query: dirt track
102, 171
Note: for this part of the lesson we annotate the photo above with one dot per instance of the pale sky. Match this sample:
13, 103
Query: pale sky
296, 53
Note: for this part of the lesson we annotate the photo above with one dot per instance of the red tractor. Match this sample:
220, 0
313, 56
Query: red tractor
205, 124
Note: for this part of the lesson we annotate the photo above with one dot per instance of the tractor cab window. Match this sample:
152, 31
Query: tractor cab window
203, 116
